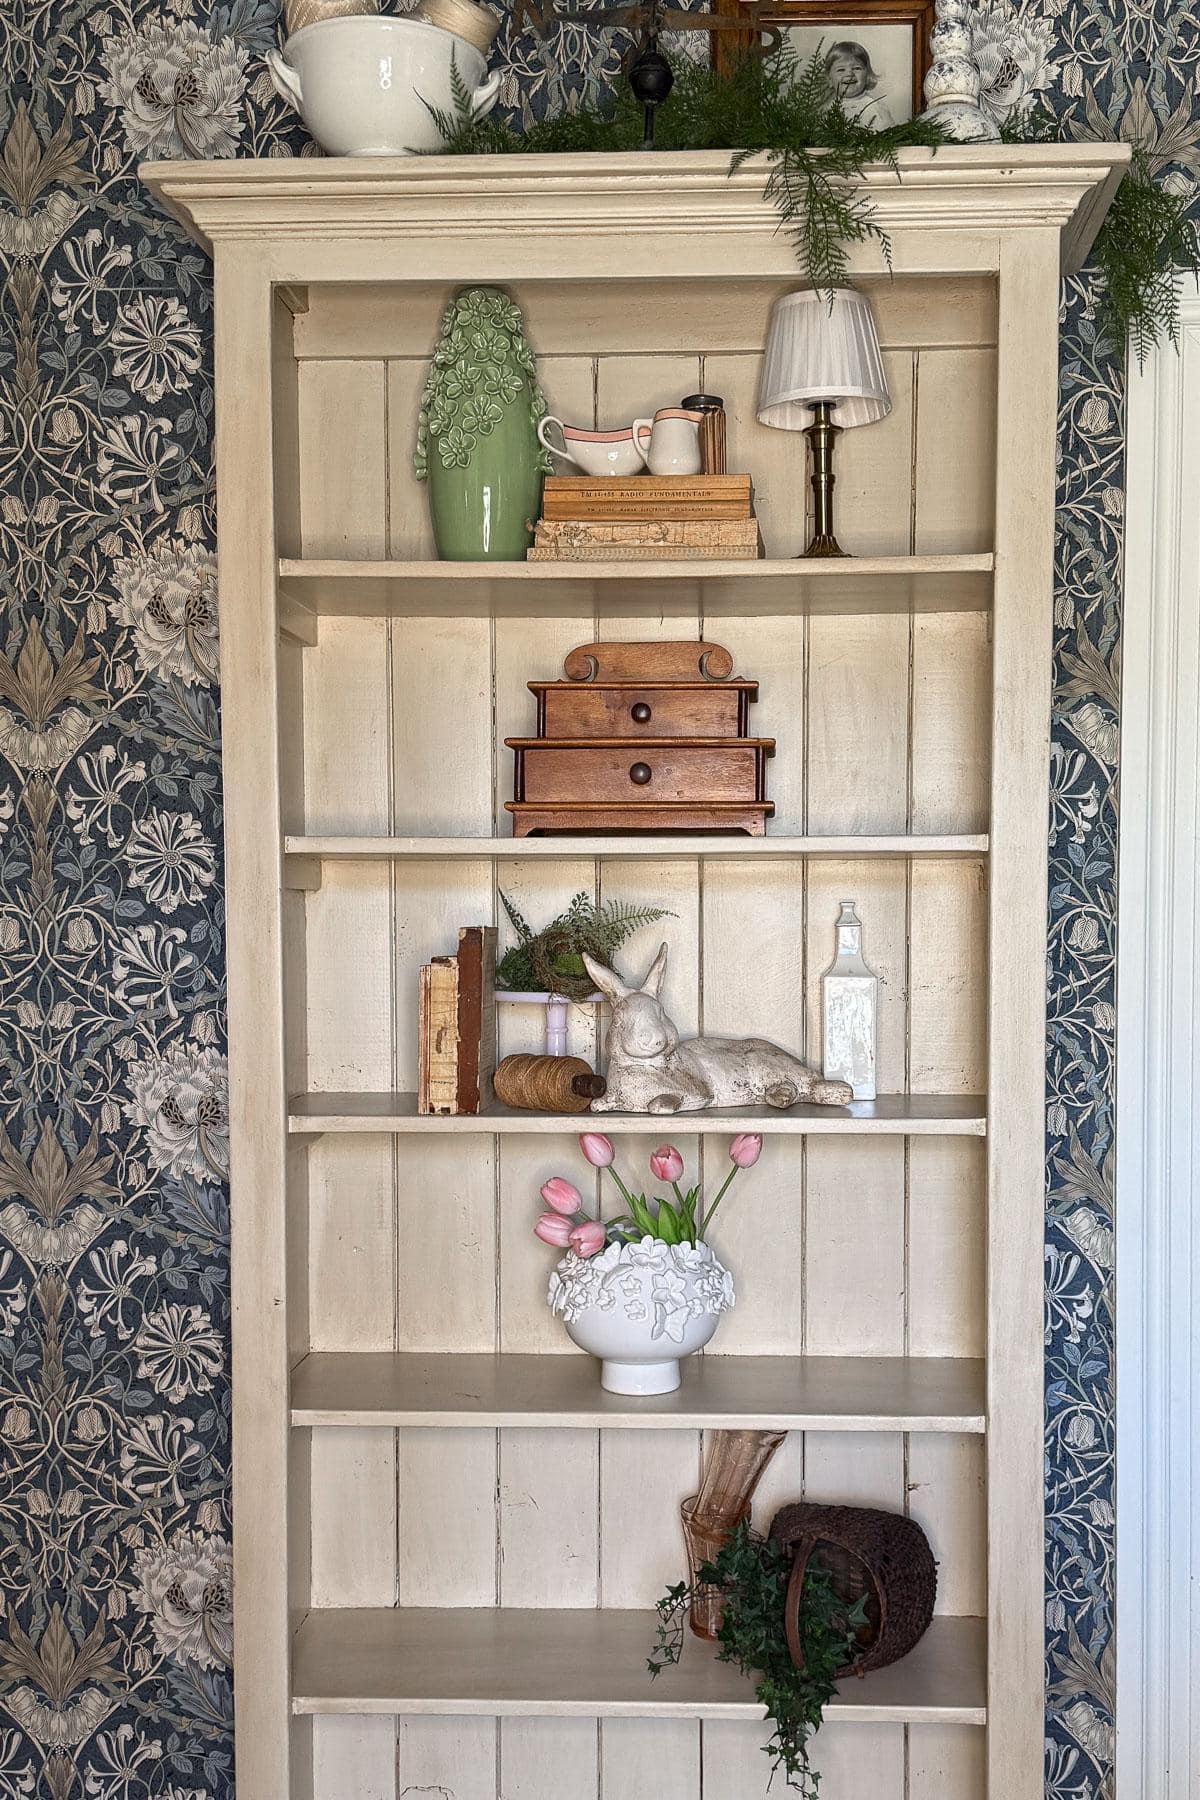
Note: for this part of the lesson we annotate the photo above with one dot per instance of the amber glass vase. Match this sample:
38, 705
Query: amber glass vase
733, 1467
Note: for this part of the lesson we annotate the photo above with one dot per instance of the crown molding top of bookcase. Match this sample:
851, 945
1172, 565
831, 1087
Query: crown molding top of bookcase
582, 1662
667, 209
927, 1115
851, 585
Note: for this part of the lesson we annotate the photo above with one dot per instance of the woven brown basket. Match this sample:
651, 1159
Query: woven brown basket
879, 1554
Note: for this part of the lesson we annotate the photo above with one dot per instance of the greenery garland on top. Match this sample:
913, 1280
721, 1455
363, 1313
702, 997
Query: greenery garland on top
786, 110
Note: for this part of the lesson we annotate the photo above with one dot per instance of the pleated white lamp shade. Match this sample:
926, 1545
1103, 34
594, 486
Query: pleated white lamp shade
818, 352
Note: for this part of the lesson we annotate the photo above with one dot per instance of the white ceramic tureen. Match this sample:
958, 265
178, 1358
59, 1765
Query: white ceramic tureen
364, 86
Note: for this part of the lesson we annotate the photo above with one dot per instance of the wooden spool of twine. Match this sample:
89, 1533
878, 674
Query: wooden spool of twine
879, 1554
561, 1084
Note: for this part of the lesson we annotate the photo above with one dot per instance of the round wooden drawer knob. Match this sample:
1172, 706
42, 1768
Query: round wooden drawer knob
640, 774
640, 712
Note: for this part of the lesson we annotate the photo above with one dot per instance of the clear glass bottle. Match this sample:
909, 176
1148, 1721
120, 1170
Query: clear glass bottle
850, 1009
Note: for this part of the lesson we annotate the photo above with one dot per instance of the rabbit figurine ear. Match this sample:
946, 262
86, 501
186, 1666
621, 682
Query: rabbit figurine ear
658, 968
606, 979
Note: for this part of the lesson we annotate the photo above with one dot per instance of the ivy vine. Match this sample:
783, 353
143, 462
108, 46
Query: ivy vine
754, 1573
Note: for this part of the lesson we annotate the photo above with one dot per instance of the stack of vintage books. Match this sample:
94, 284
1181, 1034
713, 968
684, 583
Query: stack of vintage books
457, 1026
646, 518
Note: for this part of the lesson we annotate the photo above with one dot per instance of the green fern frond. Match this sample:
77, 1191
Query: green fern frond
1146, 237
519, 924
785, 109
460, 93
617, 920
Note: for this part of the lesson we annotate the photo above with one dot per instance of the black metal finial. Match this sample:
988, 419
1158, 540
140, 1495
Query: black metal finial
651, 79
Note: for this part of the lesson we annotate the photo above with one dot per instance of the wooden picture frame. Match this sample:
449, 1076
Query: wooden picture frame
840, 17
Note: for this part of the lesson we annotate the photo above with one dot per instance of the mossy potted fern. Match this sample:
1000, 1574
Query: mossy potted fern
547, 965
551, 960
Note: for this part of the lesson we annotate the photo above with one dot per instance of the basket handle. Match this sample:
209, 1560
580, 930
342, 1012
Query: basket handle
804, 1549
805, 1545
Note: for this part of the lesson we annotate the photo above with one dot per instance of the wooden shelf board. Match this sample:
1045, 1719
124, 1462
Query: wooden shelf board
718, 1393
866, 584
895, 1115
692, 846
581, 1663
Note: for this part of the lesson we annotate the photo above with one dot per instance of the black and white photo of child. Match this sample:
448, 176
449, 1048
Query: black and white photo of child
869, 65
856, 84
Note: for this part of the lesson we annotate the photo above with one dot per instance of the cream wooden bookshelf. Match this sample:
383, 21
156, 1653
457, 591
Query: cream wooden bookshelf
447, 1539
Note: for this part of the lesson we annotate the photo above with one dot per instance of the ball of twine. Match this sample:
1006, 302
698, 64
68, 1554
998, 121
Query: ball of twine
299, 13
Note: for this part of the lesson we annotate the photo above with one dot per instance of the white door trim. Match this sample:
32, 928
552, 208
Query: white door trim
1158, 1070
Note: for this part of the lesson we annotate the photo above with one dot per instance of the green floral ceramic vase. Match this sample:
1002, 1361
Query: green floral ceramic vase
477, 443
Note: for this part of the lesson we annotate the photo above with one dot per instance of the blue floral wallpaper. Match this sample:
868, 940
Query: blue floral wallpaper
114, 1403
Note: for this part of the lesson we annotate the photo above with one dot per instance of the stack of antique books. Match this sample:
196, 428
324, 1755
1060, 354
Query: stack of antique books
646, 518
457, 1026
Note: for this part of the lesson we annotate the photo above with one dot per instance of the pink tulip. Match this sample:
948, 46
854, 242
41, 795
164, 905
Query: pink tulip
666, 1164
745, 1149
552, 1228
562, 1196
586, 1239
597, 1148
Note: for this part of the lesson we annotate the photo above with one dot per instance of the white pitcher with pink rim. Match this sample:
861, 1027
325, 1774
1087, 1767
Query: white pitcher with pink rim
595, 452
670, 441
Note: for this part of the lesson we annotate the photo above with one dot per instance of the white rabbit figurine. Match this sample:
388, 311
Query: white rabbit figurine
651, 1071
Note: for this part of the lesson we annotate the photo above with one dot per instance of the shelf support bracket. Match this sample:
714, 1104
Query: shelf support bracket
302, 872
296, 621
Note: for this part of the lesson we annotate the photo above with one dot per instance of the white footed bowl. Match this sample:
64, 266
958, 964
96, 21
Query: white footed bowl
640, 1308
364, 85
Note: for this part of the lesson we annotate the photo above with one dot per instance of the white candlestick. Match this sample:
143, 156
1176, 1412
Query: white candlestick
556, 1025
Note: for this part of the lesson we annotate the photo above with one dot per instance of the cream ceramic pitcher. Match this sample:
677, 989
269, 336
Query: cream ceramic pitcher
670, 441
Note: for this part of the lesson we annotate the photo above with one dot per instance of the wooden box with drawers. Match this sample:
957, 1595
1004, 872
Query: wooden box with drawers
642, 737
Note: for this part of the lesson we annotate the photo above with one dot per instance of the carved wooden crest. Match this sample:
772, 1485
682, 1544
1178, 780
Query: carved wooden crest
641, 663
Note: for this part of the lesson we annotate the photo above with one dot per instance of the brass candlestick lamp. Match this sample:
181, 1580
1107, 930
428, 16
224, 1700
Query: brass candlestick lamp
822, 374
